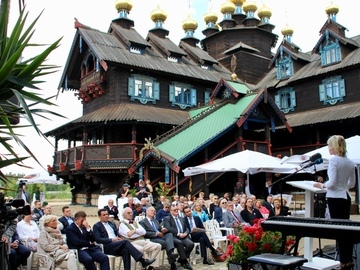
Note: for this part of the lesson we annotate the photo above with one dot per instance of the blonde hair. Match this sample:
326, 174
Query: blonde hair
49, 218
338, 144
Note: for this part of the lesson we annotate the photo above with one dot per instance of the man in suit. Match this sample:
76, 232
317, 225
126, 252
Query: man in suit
218, 211
80, 236
106, 233
269, 189
232, 217
66, 219
18, 252
23, 193
113, 212
160, 235
134, 232
38, 212
176, 225
199, 236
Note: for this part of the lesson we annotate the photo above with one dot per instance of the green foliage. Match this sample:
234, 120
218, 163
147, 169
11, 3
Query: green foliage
16, 76
162, 189
132, 192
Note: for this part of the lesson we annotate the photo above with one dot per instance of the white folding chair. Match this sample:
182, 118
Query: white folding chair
214, 233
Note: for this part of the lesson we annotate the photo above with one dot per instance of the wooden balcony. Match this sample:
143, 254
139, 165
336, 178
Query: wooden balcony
113, 156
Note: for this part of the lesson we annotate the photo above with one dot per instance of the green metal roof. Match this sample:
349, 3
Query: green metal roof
204, 130
238, 87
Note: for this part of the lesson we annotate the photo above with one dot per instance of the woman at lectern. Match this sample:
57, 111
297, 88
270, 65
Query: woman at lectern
341, 173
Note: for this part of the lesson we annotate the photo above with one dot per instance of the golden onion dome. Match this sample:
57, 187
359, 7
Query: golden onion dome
264, 12
234, 77
228, 7
238, 2
189, 24
158, 15
123, 5
210, 16
249, 6
332, 9
287, 31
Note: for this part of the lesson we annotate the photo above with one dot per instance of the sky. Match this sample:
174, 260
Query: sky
306, 17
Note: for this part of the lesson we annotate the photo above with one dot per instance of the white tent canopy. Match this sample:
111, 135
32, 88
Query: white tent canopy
245, 161
353, 152
40, 178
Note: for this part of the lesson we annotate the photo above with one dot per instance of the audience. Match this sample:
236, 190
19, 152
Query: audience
66, 219
28, 232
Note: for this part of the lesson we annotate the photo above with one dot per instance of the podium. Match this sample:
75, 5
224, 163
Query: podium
316, 262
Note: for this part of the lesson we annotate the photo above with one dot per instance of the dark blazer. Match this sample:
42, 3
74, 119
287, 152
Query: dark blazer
197, 220
100, 233
66, 224
170, 224
77, 240
114, 211
38, 214
150, 232
218, 215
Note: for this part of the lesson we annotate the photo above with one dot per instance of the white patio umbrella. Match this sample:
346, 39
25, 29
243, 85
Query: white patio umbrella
40, 178
245, 161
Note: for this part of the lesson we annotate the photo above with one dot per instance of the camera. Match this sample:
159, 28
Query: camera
6, 211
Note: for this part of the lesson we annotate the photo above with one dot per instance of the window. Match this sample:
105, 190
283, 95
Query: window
207, 94
332, 90
144, 89
284, 66
330, 53
182, 95
285, 99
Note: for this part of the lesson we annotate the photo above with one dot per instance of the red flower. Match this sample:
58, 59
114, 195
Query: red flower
252, 246
266, 247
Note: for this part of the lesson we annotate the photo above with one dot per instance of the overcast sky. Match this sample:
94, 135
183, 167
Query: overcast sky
305, 17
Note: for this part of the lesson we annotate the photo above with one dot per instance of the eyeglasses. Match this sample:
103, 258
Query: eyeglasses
224, 203
128, 212
216, 198
176, 209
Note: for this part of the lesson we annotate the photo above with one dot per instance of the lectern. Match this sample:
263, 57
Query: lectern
316, 262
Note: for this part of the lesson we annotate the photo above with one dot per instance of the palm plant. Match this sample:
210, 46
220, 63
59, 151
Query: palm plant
18, 79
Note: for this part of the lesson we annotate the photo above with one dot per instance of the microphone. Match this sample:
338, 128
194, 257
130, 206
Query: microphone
313, 158
315, 162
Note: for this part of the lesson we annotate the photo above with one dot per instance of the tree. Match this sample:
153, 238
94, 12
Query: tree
19, 94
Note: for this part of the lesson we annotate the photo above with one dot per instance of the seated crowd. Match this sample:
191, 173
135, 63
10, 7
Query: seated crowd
137, 232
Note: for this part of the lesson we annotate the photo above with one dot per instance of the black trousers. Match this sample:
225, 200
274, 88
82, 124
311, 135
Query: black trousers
201, 237
124, 249
340, 209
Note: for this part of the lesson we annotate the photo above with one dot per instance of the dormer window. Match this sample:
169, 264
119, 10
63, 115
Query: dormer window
182, 95
88, 65
205, 67
144, 89
330, 53
285, 99
332, 90
135, 50
284, 66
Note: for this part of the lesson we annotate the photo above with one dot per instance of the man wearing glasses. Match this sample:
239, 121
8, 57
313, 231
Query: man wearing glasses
176, 226
218, 212
160, 235
135, 233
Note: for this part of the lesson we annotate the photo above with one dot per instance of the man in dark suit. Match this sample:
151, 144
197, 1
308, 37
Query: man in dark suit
269, 189
176, 225
66, 219
38, 212
199, 236
79, 236
160, 235
106, 233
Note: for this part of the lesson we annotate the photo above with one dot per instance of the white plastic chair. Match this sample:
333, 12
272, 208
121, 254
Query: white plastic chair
214, 233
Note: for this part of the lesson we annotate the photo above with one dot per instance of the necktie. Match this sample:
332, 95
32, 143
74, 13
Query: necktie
153, 225
191, 223
178, 225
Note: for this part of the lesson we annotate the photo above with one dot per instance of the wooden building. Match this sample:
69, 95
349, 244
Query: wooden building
152, 108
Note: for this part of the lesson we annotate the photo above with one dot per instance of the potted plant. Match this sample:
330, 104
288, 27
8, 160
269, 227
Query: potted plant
250, 241
163, 189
